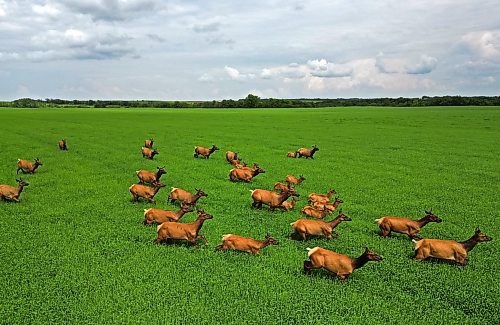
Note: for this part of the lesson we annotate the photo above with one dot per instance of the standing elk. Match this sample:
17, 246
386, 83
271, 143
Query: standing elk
26, 167
159, 215
184, 196
148, 143
244, 244
289, 205
304, 152
148, 153
245, 174
339, 264
145, 192
205, 152
12, 193
183, 231
152, 178
328, 206
232, 156
448, 249
292, 180
314, 197
272, 199
405, 226
63, 145
304, 227
291, 154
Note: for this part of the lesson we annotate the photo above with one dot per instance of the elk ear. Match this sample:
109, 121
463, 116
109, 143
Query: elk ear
268, 235
478, 230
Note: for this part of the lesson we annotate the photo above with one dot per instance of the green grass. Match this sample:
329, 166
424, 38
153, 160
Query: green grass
75, 250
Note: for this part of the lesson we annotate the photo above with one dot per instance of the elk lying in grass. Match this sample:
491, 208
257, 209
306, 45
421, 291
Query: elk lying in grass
205, 152
289, 205
405, 226
145, 192
272, 199
292, 180
448, 249
159, 215
245, 174
291, 154
307, 153
62, 144
304, 227
314, 212
12, 193
340, 264
183, 231
148, 153
244, 244
280, 186
184, 196
232, 156
152, 178
148, 143
322, 198
328, 206
26, 167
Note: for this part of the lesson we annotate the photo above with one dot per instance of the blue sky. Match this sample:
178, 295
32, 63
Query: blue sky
202, 50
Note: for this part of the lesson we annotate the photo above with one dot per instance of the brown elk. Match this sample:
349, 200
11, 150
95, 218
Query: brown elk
304, 152
148, 153
340, 264
144, 191
448, 249
289, 205
405, 226
231, 157
304, 227
184, 196
245, 174
183, 231
272, 199
280, 186
159, 215
26, 167
205, 152
148, 143
152, 178
291, 154
62, 144
314, 197
314, 212
328, 206
12, 193
292, 180
244, 244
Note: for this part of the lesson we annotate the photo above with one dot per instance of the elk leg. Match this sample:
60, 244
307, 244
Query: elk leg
203, 237
303, 235
307, 267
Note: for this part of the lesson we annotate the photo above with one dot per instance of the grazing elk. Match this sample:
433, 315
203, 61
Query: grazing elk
152, 178
272, 199
328, 206
145, 192
448, 249
12, 193
291, 154
148, 143
184, 196
205, 152
405, 226
231, 157
244, 244
183, 231
148, 153
245, 174
62, 144
159, 215
292, 180
304, 152
314, 212
289, 205
314, 197
26, 167
340, 264
304, 227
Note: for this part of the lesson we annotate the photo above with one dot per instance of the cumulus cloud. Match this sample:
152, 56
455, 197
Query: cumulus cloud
323, 68
235, 74
424, 65
46, 10
482, 45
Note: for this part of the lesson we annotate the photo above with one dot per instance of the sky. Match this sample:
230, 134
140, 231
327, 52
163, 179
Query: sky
205, 50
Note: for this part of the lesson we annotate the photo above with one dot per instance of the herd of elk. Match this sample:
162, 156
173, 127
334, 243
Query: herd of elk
304, 227
244, 244
26, 167
204, 151
189, 231
272, 199
11, 193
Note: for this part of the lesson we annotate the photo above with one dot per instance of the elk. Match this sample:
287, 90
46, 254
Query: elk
272, 199
244, 244
144, 191
184, 196
26, 167
183, 231
205, 152
148, 153
304, 227
289, 205
231, 157
280, 186
304, 152
62, 144
314, 197
340, 264
328, 206
159, 215
291, 154
448, 249
148, 143
292, 180
405, 226
12, 193
152, 178
314, 212
245, 174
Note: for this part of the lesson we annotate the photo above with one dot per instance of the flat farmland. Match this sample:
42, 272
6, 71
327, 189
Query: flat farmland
75, 250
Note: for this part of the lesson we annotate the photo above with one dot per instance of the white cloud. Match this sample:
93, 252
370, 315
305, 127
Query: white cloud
46, 10
482, 45
234, 74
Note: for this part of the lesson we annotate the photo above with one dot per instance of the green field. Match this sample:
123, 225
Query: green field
74, 250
